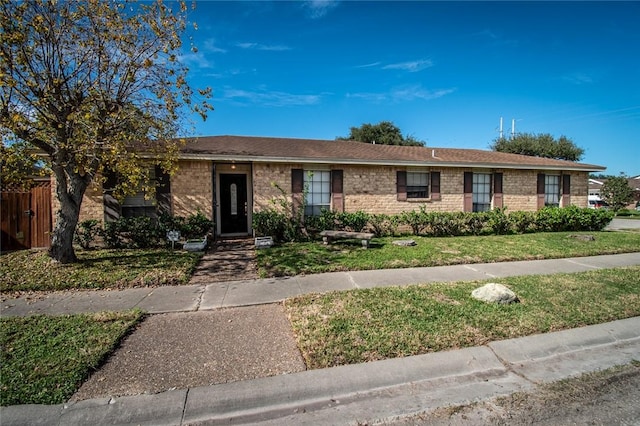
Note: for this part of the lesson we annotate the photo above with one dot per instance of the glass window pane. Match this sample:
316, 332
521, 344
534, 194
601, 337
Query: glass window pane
318, 186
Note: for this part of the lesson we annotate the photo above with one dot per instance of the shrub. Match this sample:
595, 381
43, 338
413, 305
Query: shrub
417, 220
572, 218
355, 221
142, 232
499, 222
383, 225
112, 234
197, 226
475, 223
270, 223
86, 233
523, 222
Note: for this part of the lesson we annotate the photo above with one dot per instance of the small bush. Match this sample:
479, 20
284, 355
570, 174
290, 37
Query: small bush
499, 222
197, 226
476, 223
383, 225
416, 220
142, 232
112, 234
355, 222
86, 233
147, 232
269, 223
523, 222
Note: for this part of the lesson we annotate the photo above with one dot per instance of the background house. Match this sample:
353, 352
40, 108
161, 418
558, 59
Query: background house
595, 185
229, 177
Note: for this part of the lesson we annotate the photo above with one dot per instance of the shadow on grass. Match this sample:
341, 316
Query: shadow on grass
132, 258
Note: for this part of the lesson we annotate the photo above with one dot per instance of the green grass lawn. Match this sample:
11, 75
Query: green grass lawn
32, 270
372, 324
44, 359
314, 257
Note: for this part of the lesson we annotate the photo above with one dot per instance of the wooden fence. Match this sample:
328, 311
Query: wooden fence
25, 217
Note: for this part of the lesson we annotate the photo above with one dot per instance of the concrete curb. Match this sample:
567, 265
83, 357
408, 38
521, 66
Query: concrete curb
364, 392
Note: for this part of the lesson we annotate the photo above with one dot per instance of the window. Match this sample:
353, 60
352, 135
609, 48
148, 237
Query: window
552, 190
417, 185
481, 192
138, 204
318, 186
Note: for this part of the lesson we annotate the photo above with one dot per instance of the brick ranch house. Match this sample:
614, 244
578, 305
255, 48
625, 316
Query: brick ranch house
229, 177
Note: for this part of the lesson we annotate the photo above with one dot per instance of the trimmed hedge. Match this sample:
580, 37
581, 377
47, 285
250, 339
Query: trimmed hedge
142, 232
436, 224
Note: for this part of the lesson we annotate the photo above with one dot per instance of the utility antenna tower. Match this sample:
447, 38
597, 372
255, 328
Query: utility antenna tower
501, 132
513, 128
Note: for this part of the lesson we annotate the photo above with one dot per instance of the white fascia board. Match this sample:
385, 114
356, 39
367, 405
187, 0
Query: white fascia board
295, 160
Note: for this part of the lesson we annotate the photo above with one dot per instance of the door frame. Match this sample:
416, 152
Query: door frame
233, 169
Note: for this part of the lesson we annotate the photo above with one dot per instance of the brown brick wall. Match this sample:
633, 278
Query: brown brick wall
368, 188
92, 204
373, 188
192, 189
267, 178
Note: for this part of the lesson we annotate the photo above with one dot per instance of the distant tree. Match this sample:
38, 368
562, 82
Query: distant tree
383, 133
616, 192
94, 86
539, 145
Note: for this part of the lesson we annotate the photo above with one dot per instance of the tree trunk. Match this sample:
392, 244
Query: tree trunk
61, 248
70, 189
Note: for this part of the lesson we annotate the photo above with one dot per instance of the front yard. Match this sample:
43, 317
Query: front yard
313, 257
44, 359
32, 270
365, 325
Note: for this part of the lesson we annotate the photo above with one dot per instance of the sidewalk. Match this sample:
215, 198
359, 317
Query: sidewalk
355, 394
190, 298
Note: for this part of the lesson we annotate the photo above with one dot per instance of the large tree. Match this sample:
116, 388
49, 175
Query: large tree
539, 145
18, 165
616, 192
384, 133
94, 85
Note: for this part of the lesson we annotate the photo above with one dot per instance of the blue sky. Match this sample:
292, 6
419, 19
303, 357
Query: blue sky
443, 72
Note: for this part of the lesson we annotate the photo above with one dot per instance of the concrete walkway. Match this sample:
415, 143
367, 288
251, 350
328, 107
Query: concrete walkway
356, 394
253, 292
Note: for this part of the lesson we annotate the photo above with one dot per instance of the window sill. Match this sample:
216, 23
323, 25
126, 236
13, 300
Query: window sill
419, 200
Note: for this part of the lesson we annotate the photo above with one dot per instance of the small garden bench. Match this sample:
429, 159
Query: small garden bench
365, 237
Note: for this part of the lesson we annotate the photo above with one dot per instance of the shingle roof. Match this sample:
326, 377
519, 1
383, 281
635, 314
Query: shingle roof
267, 149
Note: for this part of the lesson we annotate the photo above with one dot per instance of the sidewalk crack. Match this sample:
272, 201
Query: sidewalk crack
184, 406
352, 281
582, 264
203, 288
510, 368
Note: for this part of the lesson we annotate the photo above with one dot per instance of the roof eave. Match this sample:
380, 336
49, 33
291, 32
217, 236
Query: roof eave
359, 162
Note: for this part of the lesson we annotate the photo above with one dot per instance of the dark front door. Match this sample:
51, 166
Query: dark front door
233, 203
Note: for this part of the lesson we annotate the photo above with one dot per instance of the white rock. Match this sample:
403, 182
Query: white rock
495, 293
404, 243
